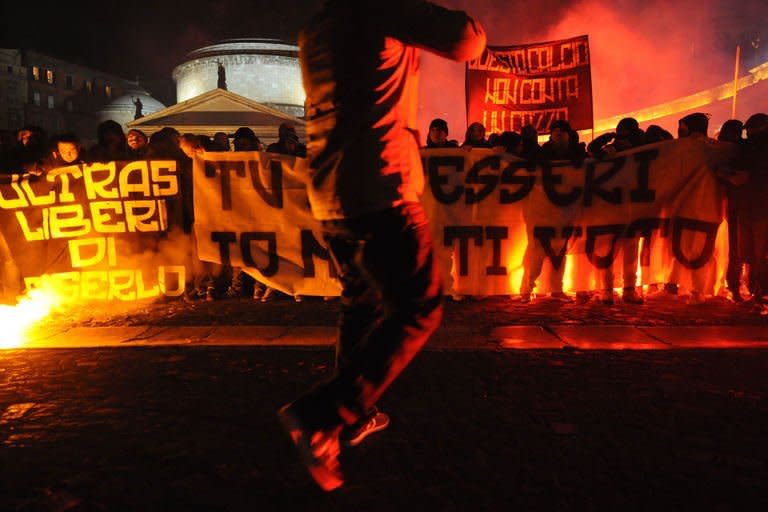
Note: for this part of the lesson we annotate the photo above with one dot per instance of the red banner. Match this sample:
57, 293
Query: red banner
509, 87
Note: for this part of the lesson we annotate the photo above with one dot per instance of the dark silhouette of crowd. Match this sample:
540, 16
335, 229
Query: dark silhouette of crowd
30, 151
745, 181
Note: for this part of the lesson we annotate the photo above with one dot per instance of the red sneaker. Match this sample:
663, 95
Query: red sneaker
353, 435
318, 451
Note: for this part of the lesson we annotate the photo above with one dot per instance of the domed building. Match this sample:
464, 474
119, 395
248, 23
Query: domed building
263, 70
133, 104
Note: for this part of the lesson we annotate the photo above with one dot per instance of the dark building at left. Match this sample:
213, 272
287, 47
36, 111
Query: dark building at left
62, 96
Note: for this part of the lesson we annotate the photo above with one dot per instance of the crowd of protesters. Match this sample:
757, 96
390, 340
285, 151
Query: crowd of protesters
746, 182
32, 152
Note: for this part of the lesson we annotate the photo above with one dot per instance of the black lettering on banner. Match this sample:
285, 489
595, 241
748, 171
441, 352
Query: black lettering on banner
593, 232
437, 181
550, 180
488, 180
272, 258
545, 234
592, 184
680, 224
642, 194
463, 233
311, 248
526, 183
497, 234
275, 199
224, 239
644, 228
225, 168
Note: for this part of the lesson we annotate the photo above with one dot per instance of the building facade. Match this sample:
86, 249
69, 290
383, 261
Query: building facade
57, 95
264, 70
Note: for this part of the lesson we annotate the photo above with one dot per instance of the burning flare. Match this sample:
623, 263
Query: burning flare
17, 320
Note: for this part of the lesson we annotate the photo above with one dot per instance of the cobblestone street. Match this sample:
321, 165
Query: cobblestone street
194, 428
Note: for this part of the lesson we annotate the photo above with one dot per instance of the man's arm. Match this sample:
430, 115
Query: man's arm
450, 34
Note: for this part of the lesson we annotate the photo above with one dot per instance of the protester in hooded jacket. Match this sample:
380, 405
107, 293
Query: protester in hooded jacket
475, 137
111, 143
288, 142
628, 135
563, 144
655, 133
531, 147
437, 136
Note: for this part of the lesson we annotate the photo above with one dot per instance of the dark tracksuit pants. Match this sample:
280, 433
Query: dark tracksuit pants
391, 304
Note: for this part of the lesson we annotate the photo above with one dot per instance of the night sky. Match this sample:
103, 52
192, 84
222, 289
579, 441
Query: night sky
645, 51
145, 39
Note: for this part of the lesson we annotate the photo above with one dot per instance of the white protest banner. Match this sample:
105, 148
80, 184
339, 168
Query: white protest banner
95, 231
500, 224
252, 212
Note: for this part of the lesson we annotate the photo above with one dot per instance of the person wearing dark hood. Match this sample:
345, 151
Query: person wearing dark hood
111, 143
437, 136
475, 137
511, 142
245, 140
220, 142
288, 142
655, 133
628, 135
360, 66
531, 147
563, 144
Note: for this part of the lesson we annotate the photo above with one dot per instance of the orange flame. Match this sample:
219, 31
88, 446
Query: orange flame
31, 308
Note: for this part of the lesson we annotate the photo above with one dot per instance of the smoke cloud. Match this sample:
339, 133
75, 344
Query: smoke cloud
643, 52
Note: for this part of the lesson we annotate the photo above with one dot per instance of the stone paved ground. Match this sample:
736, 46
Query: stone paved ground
194, 428
489, 312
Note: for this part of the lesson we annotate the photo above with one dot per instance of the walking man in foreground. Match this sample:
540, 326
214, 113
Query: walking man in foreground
360, 67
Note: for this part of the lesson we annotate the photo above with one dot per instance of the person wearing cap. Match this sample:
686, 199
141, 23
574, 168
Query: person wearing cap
437, 137
245, 140
288, 142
